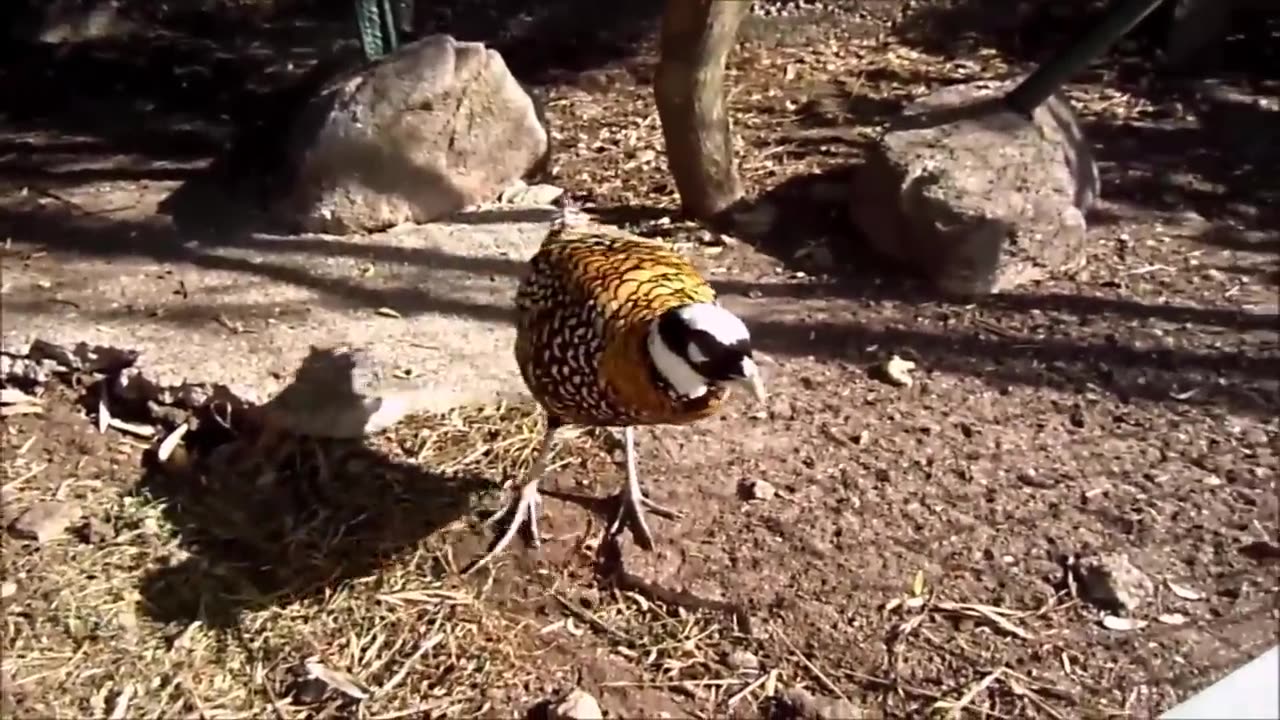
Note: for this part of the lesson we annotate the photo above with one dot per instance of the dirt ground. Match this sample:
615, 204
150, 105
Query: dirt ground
912, 558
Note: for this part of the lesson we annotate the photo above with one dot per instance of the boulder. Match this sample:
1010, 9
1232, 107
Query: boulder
977, 198
433, 127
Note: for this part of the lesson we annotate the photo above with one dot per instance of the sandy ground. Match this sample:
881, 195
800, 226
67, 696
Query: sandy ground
1129, 409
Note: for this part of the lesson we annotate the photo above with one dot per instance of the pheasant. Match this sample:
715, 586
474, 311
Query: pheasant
617, 330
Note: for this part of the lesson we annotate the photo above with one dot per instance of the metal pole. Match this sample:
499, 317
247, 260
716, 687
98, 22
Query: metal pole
1039, 85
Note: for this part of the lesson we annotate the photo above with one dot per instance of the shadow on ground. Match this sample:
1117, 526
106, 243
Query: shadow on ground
1053, 339
299, 519
174, 85
156, 94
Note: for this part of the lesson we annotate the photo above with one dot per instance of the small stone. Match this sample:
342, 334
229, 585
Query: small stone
45, 520
759, 490
521, 194
1112, 583
1031, 478
743, 660
577, 705
8, 589
1121, 624
127, 621
805, 704
96, 530
898, 371
308, 691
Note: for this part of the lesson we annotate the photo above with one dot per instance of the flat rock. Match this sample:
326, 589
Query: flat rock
417, 318
436, 126
977, 198
45, 521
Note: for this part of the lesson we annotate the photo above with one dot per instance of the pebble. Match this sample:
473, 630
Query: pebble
807, 705
1111, 582
577, 705
742, 660
520, 194
96, 530
45, 520
759, 490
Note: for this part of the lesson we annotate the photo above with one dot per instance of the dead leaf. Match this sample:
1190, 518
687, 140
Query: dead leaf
46, 520
1184, 592
136, 429
1122, 624
171, 441
28, 409
917, 583
336, 679
104, 415
388, 312
14, 396
1172, 618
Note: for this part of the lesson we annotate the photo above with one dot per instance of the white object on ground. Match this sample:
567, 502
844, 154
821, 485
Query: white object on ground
1249, 692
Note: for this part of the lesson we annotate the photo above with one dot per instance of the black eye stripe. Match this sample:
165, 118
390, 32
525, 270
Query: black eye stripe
709, 345
720, 361
705, 341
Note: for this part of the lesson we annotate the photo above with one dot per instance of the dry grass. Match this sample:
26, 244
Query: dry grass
325, 586
328, 587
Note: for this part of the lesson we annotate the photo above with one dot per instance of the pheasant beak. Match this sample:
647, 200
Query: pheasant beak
752, 380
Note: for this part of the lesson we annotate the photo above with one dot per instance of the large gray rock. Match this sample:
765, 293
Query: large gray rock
978, 198
434, 127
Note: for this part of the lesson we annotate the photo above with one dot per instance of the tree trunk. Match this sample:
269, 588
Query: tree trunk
697, 36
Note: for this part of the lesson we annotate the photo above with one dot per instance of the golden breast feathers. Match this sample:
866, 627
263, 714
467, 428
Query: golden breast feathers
585, 310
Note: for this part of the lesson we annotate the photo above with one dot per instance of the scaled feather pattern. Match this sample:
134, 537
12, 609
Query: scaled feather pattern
584, 311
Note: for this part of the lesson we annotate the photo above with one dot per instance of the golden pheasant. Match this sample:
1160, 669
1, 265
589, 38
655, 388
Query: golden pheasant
618, 330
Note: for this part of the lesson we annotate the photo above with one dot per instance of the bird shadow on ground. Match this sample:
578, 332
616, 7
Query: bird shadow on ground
315, 514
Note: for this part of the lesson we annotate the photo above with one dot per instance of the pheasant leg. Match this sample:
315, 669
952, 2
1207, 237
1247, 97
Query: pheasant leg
523, 508
633, 501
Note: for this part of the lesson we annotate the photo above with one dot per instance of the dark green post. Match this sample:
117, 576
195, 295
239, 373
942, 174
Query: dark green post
1045, 81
